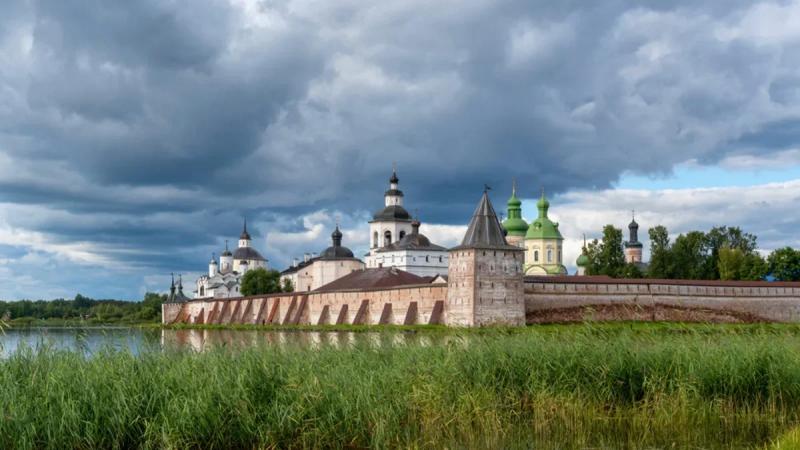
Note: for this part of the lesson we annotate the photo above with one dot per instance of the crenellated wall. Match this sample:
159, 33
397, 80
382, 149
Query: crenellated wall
547, 300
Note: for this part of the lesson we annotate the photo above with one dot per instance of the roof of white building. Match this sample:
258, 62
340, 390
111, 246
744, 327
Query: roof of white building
413, 241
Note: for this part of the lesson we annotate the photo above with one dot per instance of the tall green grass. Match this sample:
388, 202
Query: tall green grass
549, 387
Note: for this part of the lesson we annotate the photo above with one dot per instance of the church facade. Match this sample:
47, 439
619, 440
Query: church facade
541, 239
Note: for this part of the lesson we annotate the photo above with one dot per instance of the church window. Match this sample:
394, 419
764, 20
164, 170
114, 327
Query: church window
387, 238
549, 255
536, 255
402, 235
375, 239
202, 291
440, 259
559, 256
427, 260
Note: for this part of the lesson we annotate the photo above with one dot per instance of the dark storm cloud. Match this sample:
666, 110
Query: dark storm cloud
149, 128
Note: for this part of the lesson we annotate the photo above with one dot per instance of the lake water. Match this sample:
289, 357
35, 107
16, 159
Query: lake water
137, 340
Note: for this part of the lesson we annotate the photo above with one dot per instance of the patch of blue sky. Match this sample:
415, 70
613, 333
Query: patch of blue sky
694, 176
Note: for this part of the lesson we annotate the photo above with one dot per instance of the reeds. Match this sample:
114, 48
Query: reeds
549, 387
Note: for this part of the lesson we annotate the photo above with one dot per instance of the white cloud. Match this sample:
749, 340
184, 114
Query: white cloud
768, 210
771, 161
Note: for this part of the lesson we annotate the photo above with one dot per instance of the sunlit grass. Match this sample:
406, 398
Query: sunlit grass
548, 387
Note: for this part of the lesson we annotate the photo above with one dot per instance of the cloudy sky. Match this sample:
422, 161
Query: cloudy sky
135, 136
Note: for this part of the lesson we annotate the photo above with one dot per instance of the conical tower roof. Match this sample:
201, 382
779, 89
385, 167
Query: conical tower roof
484, 230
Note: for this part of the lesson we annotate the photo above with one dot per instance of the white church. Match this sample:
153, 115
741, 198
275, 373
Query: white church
224, 279
396, 240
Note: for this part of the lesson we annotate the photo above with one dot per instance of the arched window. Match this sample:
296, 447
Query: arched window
202, 291
440, 259
402, 235
387, 238
375, 239
536, 255
559, 256
427, 259
549, 255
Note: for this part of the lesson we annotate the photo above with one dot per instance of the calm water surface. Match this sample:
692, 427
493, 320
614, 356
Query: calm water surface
137, 340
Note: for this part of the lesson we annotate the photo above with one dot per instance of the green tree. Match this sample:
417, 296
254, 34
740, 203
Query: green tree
607, 257
690, 256
731, 263
261, 281
754, 268
593, 253
784, 264
660, 253
288, 286
631, 271
730, 237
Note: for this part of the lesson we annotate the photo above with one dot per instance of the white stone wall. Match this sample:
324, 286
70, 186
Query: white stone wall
327, 271
422, 263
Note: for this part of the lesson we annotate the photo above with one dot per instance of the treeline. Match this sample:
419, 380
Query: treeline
84, 309
723, 253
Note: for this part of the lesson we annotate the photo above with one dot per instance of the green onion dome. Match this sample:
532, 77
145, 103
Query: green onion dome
543, 227
583, 260
515, 225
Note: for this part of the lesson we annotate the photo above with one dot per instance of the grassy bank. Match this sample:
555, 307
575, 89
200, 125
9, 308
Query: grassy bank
553, 387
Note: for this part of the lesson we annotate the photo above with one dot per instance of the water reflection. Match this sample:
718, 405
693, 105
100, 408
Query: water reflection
89, 341
86, 341
200, 340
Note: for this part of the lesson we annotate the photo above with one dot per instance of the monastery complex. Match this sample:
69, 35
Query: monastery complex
507, 273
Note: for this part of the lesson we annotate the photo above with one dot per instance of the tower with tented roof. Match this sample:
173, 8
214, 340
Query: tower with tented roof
485, 284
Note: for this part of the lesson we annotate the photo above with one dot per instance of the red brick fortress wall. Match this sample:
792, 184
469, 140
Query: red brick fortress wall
409, 305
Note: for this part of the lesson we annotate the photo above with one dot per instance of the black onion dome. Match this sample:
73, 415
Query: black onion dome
633, 225
394, 178
248, 253
336, 252
393, 212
